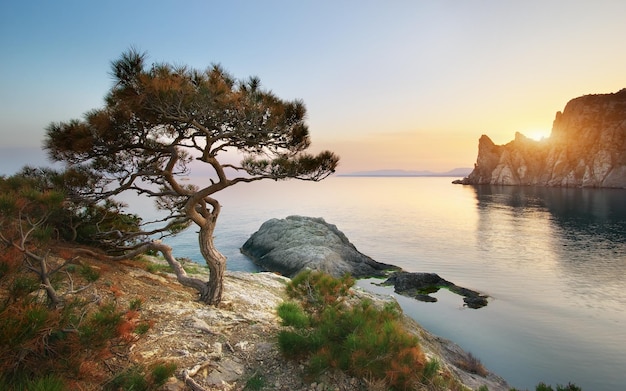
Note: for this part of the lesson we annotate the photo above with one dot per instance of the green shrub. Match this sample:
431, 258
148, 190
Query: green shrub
101, 326
431, 368
295, 344
142, 328
135, 304
25, 383
570, 387
317, 290
135, 379
89, 273
129, 380
161, 372
292, 315
360, 338
46, 383
159, 268
255, 383
545, 387
22, 286
4, 268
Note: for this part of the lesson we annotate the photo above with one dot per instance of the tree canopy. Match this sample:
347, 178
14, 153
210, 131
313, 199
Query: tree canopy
159, 118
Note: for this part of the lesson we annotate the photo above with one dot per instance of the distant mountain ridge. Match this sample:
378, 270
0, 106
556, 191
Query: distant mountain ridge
587, 148
457, 172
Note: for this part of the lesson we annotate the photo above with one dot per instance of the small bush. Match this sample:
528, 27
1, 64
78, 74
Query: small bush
317, 290
431, 368
360, 338
45, 383
292, 315
135, 378
255, 383
22, 286
295, 344
101, 326
159, 268
142, 328
161, 372
135, 304
472, 364
89, 273
129, 380
569, 387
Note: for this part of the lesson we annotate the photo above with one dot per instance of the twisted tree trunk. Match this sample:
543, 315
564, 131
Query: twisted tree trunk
216, 263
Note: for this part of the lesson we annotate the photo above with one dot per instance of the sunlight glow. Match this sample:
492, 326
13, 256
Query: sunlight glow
537, 134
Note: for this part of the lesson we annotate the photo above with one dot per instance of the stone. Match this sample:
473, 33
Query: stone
587, 148
199, 324
421, 285
297, 243
227, 371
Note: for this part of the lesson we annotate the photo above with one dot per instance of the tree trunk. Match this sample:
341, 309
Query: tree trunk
216, 263
181, 274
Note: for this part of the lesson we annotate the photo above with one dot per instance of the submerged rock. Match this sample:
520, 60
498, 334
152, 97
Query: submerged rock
421, 285
297, 243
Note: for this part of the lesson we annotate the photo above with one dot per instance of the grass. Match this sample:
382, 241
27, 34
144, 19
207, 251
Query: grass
188, 265
44, 383
89, 273
255, 383
472, 364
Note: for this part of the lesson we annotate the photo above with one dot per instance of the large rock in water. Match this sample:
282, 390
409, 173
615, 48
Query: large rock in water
296, 243
587, 148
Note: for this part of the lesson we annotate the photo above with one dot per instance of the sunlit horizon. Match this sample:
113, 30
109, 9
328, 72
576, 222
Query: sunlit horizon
407, 85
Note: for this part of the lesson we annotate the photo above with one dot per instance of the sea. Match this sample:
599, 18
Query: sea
552, 260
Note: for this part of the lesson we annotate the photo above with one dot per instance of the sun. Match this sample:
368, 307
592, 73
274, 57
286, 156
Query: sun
537, 134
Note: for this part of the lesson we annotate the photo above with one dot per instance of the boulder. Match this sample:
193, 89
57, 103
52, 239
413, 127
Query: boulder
421, 285
297, 243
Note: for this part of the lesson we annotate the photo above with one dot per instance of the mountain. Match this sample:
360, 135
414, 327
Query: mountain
402, 173
587, 148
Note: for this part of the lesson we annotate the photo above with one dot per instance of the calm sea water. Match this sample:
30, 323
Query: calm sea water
553, 261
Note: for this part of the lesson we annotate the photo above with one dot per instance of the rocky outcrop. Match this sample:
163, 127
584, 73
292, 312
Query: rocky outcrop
421, 285
296, 243
587, 148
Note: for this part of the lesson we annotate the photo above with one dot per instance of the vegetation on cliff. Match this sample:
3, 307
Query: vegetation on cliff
358, 337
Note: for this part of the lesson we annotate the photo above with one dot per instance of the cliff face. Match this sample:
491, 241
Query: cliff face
587, 148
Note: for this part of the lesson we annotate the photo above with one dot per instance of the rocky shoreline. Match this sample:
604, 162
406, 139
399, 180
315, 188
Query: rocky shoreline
296, 243
221, 348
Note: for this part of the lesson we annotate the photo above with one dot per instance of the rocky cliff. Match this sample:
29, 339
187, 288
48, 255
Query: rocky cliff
587, 148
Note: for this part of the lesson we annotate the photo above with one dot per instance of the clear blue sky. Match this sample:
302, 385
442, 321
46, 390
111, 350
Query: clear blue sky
395, 84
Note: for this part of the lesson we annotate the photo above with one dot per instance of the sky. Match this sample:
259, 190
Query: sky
388, 85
